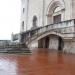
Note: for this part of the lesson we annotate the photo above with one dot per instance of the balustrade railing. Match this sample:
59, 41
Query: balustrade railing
61, 27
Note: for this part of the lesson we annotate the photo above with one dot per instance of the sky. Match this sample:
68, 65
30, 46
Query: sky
10, 13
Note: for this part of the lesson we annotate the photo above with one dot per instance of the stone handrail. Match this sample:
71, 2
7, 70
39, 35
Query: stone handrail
61, 27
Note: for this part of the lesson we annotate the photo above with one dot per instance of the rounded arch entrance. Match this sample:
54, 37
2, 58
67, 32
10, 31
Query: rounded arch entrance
54, 4
52, 42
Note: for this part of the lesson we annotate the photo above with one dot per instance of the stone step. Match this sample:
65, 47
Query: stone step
15, 50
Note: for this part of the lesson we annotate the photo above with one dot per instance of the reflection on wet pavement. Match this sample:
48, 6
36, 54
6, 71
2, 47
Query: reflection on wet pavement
7, 67
40, 62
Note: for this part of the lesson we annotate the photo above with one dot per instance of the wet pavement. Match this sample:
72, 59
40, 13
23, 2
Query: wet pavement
40, 62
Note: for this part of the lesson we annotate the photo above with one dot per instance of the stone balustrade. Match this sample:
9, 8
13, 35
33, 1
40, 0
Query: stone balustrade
66, 28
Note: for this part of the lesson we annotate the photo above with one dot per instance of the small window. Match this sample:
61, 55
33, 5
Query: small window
23, 10
23, 25
34, 21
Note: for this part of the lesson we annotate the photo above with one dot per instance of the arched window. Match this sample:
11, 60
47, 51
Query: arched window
55, 9
22, 25
34, 21
57, 15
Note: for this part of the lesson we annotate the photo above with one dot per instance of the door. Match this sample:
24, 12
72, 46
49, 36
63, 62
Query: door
57, 18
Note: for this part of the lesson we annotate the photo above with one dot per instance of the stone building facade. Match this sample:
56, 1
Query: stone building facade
60, 14
44, 11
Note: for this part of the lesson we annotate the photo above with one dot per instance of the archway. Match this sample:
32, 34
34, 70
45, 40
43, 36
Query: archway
52, 42
55, 11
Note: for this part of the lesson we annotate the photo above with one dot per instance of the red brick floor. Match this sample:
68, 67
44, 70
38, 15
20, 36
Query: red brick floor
40, 62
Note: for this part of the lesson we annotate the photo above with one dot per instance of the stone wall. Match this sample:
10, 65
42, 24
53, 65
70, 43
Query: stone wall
73, 9
69, 46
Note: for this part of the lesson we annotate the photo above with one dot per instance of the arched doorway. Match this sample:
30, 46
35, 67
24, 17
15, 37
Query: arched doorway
52, 42
55, 12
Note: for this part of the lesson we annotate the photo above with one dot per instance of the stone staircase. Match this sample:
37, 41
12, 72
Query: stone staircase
65, 29
19, 50
15, 49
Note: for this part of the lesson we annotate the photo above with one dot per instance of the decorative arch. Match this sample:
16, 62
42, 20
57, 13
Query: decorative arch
51, 8
46, 36
54, 4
